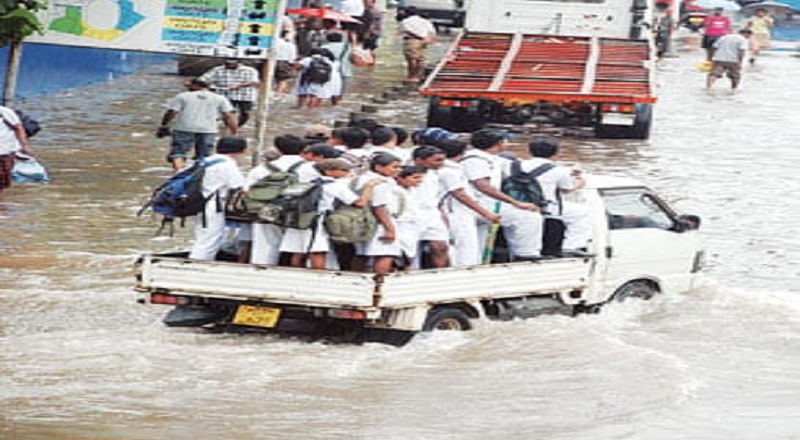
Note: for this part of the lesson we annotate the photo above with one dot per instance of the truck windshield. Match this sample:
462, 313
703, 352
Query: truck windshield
635, 208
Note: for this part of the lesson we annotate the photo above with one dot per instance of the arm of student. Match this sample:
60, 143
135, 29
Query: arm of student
382, 215
22, 137
485, 187
461, 195
366, 193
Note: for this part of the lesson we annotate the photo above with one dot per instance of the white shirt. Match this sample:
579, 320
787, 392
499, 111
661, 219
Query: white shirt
427, 193
728, 47
333, 190
418, 27
477, 165
383, 194
552, 180
222, 177
8, 138
285, 50
452, 178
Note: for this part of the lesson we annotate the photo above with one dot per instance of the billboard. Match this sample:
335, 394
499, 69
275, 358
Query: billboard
221, 28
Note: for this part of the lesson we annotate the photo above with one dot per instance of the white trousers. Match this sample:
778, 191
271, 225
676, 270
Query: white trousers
266, 239
578, 222
209, 239
522, 229
466, 249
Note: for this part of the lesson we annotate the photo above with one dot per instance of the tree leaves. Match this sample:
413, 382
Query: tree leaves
18, 19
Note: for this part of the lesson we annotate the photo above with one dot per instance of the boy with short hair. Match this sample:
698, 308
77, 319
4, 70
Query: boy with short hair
218, 180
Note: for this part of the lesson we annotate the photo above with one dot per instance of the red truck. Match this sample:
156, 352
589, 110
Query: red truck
589, 65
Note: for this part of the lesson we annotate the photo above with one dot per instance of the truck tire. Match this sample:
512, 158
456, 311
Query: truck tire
455, 119
447, 319
635, 289
639, 130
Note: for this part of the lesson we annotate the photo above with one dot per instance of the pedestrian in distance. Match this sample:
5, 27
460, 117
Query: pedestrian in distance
418, 34
662, 28
219, 179
761, 25
371, 29
237, 82
285, 62
12, 140
729, 53
716, 25
195, 114
342, 67
314, 83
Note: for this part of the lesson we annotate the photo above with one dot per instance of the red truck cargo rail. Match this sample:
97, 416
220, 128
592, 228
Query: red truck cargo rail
524, 68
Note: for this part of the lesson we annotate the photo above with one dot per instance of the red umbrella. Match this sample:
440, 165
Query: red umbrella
323, 13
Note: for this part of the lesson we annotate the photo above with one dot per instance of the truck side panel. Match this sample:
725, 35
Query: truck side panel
245, 281
497, 281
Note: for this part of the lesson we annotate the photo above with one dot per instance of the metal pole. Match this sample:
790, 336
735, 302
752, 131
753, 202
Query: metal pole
267, 71
10, 86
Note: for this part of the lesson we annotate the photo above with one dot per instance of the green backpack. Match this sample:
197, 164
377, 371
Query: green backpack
246, 205
351, 224
296, 207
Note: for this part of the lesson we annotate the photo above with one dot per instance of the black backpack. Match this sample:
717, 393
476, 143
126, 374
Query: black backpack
317, 72
31, 126
524, 186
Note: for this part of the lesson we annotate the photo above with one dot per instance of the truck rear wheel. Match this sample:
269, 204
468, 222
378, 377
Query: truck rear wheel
639, 130
456, 119
635, 289
447, 319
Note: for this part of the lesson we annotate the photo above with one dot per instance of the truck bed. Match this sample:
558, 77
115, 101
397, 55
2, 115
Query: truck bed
327, 288
527, 67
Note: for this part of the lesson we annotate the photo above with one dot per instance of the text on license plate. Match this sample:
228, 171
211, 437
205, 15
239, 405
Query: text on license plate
618, 119
256, 316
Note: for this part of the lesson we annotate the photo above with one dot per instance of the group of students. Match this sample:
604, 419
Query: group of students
442, 196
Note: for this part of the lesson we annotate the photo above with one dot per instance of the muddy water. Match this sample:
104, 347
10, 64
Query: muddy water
81, 360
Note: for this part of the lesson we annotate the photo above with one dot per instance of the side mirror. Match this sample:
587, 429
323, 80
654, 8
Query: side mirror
688, 222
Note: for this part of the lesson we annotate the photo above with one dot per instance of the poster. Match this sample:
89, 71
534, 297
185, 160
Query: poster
218, 28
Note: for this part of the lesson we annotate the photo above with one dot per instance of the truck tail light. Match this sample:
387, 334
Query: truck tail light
347, 314
618, 108
173, 300
453, 103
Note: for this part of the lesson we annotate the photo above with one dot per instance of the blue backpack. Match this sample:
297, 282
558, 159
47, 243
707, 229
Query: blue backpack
181, 195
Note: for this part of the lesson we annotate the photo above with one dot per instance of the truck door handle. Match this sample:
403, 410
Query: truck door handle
609, 252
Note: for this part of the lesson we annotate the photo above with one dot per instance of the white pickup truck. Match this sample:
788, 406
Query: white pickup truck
641, 247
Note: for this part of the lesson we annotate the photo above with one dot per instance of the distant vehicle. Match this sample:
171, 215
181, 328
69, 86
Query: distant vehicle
641, 247
573, 63
443, 13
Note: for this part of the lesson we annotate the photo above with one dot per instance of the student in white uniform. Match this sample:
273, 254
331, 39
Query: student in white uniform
384, 140
410, 177
384, 247
218, 180
311, 246
522, 222
460, 207
266, 238
556, 182
432, 226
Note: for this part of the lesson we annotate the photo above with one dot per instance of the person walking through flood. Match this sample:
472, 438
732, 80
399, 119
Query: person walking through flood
717, 25
238, 83
12, 140
729, 53
761, 26
418, 34
195, 114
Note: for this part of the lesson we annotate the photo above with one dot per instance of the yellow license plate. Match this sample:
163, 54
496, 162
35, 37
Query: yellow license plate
256, 316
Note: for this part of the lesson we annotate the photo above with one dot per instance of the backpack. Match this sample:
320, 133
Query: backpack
30, 125
182, 194
524, 186
296, 207
317, 72
246, 205
351, 224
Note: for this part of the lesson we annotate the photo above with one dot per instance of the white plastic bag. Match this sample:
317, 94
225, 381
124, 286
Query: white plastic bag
27, 169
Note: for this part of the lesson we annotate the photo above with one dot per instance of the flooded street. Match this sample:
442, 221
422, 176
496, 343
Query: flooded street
81, 360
